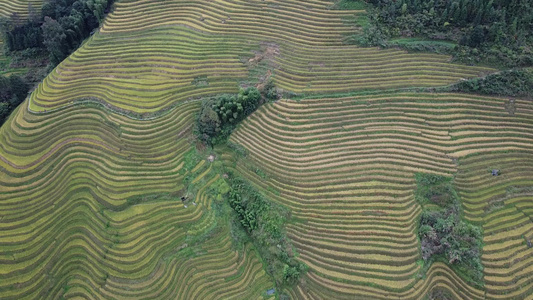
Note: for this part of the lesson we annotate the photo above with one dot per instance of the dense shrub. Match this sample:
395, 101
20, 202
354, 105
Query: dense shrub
444, 233
270, 92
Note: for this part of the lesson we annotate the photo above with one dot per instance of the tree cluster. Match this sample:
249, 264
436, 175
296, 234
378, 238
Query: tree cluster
498, 31
13, 90
264, 222
442, 232
219, 115
514, 83
25, 36
59, 29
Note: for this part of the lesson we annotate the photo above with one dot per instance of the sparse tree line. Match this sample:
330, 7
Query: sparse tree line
494, 31
59, 29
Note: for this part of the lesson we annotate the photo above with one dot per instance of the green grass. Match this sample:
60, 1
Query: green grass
351, 5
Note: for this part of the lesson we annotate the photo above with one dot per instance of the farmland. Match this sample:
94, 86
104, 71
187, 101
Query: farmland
145, 59
345, 167
106, 192
18, 7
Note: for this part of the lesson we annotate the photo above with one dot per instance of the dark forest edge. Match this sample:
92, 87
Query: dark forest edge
42, 41
13, 90
492, 32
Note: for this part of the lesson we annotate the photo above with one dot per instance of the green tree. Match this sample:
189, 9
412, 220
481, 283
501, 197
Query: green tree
208, 123
19, 88
291, 274
54, 39
477, 36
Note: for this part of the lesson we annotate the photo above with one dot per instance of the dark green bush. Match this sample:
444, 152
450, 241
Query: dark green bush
270, 92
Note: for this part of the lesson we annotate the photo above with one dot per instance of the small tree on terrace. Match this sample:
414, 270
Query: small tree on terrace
208, 123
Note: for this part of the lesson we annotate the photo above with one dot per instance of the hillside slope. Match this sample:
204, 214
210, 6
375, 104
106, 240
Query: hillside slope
93, 163
148, 55
345, 167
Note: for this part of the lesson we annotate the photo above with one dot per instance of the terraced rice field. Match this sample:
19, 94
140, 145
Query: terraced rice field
67, 227
148, 54
504, 206
20, 7
71, 170
345, 167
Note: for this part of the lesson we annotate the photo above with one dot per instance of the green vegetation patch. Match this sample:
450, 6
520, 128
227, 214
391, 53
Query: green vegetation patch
264, 223
351, 5
486, 31
13, 90
514, 83
200, 81
443, 235
251, 216
221, 114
